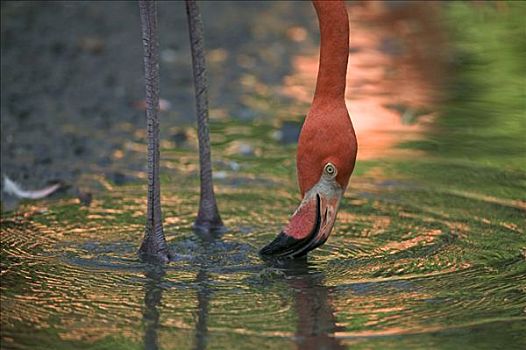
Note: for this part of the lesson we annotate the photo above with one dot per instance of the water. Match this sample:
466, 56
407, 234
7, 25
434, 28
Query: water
429, 250
405, 267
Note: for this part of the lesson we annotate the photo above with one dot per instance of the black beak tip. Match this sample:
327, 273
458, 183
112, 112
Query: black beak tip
285, 247
282, 246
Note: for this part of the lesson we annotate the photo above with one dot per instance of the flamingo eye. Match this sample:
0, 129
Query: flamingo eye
330, 169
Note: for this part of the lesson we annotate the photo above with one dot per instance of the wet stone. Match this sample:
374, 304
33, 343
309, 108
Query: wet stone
85, 198
180, 138
289, 132
119, 178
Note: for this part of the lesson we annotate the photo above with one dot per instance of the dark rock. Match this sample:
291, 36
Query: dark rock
289, 132
85, 198
119, 178
180, 138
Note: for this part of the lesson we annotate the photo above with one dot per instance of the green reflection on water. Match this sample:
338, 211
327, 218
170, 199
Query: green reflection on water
435, 259
483, 122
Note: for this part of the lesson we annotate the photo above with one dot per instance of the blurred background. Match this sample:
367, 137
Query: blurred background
72, 89
429, 246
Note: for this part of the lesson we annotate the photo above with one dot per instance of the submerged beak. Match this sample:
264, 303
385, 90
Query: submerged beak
310, 225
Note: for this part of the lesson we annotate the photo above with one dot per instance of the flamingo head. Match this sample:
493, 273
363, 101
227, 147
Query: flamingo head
327, 150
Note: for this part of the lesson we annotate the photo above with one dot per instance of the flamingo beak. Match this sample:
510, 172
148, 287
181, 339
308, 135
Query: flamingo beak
310, 225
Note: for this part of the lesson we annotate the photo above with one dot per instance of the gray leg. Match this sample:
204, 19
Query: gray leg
208, 218
153, 246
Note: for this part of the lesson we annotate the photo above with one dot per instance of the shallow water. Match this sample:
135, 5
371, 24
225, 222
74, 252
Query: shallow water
405, 266
429, 250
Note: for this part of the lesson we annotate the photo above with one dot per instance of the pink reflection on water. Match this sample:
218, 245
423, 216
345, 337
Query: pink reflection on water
396, 69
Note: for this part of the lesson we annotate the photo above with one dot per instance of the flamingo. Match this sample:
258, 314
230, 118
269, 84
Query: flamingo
327, 145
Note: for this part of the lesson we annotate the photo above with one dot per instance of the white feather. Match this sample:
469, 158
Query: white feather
12, 188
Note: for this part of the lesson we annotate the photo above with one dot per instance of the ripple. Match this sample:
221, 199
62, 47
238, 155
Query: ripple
413, 274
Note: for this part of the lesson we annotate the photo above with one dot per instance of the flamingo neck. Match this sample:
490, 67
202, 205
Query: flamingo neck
334, 50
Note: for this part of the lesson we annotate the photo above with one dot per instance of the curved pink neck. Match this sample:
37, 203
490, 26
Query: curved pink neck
334, 50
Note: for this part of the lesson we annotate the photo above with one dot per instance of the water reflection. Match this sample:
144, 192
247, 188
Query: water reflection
316, 320
203, 300
204, 293
153, 293
312, 303
397, 65
432, 264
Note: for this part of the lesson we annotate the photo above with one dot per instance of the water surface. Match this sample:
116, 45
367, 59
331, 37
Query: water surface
429, 250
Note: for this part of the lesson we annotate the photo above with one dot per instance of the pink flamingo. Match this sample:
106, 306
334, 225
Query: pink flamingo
327, 144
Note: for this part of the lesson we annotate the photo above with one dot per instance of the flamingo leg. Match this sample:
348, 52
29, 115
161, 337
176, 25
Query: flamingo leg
154, 245
208, 218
